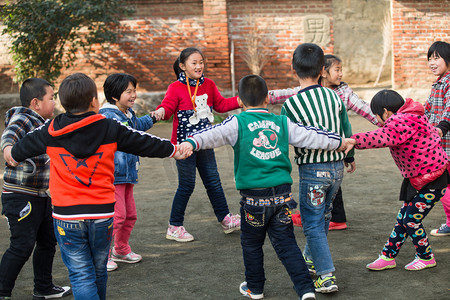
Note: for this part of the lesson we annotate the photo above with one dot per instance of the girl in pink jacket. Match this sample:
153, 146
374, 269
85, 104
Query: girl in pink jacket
416, 149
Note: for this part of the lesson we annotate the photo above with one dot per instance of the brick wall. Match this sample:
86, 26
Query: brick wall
416, 25
280, 26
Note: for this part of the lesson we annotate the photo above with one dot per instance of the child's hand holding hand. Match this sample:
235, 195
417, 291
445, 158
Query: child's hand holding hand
347, 145
8, 158
186, 148
158, 114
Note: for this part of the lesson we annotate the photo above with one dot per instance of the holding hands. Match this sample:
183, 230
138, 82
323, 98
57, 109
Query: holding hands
184, 150
158, 114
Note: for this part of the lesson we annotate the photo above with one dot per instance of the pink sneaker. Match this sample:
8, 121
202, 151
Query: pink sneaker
179, 234
419, 264
382, 263
111, 265
231, 223
130, 258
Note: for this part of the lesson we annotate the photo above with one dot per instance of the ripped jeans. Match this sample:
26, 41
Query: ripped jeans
319, 183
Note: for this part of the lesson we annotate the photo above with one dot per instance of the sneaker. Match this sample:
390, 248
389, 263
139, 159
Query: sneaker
243, 288
297, 219
231, 223
326, 285
130, 258
382, 263
441, 231
310, 265
5, 298
419, 264
337, 226
55, 292
111, 265
179, 234
308, 296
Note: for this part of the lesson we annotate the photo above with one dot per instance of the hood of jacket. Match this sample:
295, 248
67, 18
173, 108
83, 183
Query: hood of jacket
83, 128
21, 110
412, 107
108, 107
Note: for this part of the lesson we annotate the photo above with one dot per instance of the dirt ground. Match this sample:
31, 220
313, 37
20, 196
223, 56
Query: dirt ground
211, 267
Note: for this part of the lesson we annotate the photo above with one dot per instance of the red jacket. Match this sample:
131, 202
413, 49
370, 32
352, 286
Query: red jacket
177, 102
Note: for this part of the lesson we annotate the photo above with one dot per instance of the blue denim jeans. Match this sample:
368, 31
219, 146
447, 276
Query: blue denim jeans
84, 249
205, 162
319, 183
275, 220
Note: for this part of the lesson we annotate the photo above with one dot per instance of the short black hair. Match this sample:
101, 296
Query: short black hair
184, 55
441, 49
330, 59
386, 99
117, 83
76, 92
308, 60
252, 90
33, 88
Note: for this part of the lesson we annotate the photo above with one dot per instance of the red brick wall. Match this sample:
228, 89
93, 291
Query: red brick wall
416, 25
280, 26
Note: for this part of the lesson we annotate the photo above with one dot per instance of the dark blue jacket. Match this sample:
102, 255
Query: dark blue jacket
126, 165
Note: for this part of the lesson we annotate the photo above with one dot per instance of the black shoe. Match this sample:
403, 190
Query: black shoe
55, 292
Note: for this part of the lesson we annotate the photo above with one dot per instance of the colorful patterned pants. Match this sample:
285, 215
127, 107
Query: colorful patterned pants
409, 223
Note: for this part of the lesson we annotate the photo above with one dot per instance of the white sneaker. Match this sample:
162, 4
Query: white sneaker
111, 265
179, 234
231, 223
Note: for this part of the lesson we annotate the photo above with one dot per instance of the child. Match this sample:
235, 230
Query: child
437, 109
262, 170
25, 201
321, 172
190, 100
415, 147
120, 92
331, 78
81, 145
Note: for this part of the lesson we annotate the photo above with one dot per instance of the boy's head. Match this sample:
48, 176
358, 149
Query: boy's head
386, 100
116, 84
76, 93
253, 90
308, 61
440, 49
37, 94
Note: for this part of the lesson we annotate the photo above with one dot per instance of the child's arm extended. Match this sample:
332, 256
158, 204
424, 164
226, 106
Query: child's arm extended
391, 134
225, 133
358, 105
31, 145
312, 138
280, 96
222, 104
143, 144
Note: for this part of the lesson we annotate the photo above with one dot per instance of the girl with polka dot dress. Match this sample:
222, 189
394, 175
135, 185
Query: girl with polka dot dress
191, 99
417, 151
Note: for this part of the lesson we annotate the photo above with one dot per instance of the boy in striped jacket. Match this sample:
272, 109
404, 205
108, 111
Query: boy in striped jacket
320, 171
262, 171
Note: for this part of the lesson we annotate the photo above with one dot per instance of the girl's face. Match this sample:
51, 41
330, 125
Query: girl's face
333, 76
127, 98
193, 66
437, 65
